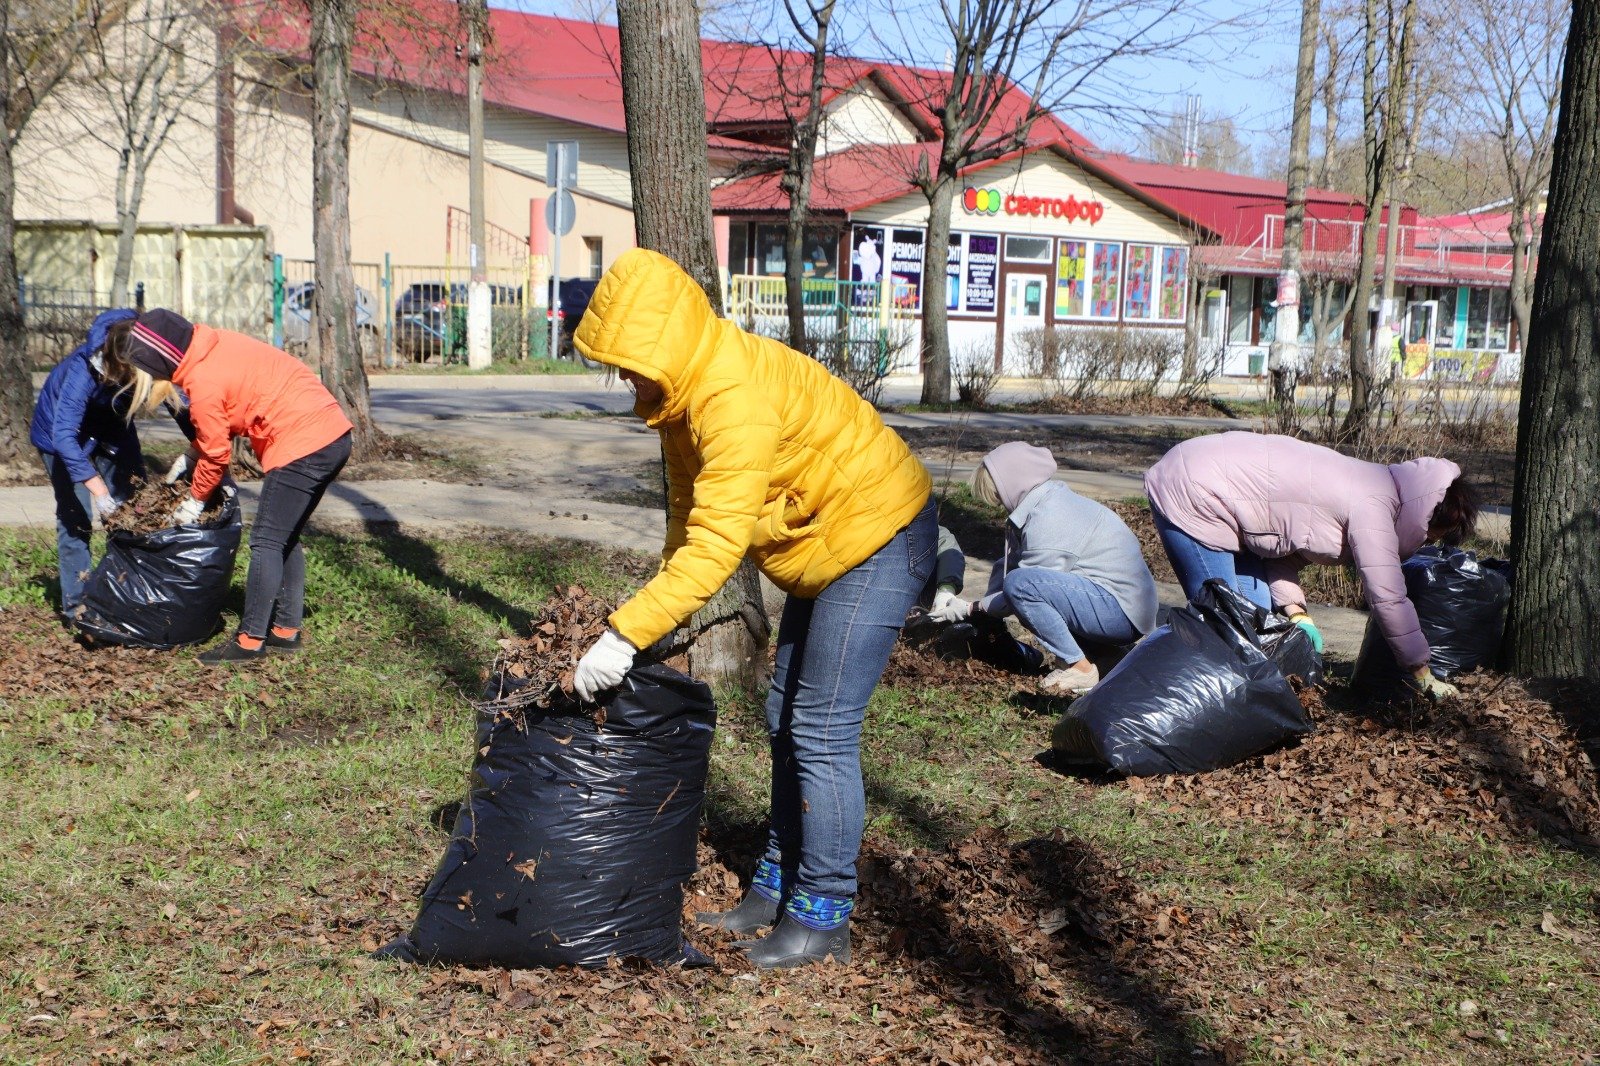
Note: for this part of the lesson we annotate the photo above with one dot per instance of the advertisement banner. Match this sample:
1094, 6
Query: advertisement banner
1141, 277
905, 266
1105, 280
1072, 278
866, 264
982, 273
1174, 283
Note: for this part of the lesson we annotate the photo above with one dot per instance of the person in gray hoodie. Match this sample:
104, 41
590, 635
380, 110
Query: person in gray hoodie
1072, 570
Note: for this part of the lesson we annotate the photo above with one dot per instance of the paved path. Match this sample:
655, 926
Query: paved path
551, 475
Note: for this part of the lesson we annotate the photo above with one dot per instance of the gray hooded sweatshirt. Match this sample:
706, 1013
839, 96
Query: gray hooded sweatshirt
1051, 526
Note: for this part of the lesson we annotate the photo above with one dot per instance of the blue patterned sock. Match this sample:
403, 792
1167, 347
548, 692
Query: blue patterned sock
767, 881
818, 912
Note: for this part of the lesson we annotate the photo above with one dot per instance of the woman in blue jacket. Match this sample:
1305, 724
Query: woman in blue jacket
90, 452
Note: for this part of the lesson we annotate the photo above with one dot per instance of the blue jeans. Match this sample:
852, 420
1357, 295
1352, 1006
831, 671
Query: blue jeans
1194, 563
73, 522
1062, 609
831, 653
275, 590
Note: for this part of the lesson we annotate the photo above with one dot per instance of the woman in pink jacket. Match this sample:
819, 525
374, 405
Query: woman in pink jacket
1253, 509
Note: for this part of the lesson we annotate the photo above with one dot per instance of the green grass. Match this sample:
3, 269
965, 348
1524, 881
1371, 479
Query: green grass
196, 864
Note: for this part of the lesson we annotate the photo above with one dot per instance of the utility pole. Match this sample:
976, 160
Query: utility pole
1283, 358
478, 315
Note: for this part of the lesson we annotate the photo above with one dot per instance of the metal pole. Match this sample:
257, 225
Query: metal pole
388, 311
277, 301
479, 317
555, 252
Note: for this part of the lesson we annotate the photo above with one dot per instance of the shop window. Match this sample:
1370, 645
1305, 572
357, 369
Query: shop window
1499, 328
1477, 318
1444, 326
819, 252
1020, 249
972, 273
1266, 312
1105, 280
739, 248
1155, 284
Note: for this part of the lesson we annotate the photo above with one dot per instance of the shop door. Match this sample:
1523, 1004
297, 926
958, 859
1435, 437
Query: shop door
1025, 310
1416, 338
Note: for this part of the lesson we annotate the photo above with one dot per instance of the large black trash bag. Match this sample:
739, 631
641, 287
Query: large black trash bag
1461, 605
163, 589
1197, 694
576, 840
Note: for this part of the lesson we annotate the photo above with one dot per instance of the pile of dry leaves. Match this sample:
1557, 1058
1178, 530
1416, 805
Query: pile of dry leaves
149, 509
1497, 761
538, 668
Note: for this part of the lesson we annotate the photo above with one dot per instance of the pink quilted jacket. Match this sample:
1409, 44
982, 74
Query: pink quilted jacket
1293, 503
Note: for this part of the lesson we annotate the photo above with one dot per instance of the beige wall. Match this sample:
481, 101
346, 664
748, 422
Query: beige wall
1043, 174
863, 115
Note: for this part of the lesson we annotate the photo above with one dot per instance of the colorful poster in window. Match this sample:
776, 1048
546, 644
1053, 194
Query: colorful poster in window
905, 267
866, 264
1136, 299
1174, 283
1105, 280
983, 263
1072, 279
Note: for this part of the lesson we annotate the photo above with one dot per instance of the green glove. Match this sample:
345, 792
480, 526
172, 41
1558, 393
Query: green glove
1423, 683
1304, 621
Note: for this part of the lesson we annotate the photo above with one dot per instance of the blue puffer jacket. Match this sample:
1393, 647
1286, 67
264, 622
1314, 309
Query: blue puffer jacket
76, 413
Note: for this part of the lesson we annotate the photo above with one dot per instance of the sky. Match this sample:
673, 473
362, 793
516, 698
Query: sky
1243, 70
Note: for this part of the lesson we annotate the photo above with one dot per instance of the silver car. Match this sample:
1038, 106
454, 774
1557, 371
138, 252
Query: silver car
297, 322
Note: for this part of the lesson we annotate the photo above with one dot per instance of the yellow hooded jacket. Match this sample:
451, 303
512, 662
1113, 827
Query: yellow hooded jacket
766, 452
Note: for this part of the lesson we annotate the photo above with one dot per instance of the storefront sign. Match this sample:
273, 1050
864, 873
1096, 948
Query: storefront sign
983, 260
1072, 209
866, 264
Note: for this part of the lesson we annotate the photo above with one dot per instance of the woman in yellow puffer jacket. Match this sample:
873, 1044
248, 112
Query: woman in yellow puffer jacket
770, 455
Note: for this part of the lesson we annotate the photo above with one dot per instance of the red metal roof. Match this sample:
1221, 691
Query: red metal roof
568, 69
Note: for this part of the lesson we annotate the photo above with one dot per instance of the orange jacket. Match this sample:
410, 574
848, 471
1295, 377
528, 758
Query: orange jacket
238, 386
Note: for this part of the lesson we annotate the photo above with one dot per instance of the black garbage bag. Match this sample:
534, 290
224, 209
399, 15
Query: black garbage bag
1198, 693
163, 589
576, 839
1461, 605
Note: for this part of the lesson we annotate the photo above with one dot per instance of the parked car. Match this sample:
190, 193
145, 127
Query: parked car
430, 317
575, 296
297, 322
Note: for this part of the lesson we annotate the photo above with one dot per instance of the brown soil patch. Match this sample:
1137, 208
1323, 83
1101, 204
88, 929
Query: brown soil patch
1144, 406
39, 660
1111, 448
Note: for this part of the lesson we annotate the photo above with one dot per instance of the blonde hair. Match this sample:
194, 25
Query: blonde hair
146, 395
983, 486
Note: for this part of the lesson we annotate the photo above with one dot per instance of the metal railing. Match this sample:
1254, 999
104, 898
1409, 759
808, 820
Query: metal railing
861, 324
55, 321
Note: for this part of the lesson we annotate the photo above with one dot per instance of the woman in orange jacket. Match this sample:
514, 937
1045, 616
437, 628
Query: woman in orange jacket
237, 386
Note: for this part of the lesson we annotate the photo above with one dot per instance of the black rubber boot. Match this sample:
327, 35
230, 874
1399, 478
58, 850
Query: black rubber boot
754, 912
792, 944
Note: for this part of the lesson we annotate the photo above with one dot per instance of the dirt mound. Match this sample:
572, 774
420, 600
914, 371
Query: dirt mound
1497, 762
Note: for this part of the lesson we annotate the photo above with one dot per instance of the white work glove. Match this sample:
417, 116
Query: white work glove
183, 464
187, 513
603, 666
1423, 683
948, 607
105, 506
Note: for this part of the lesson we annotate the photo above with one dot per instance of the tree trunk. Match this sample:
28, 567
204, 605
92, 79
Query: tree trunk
1286, 349
935, 315
1554, 629
127, 233
16, 378
796, 181
1522, 260
334, 302
1356, 416
663, 99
